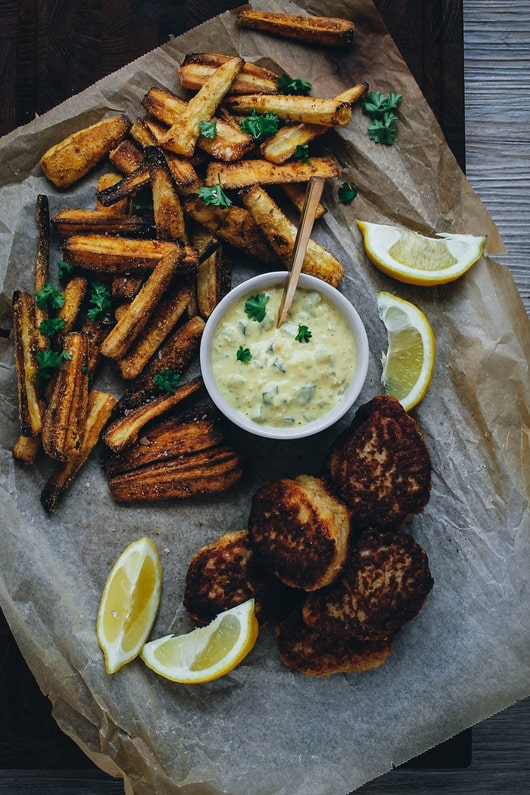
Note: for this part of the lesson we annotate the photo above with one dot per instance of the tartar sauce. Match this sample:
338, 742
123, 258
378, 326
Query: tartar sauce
277, 379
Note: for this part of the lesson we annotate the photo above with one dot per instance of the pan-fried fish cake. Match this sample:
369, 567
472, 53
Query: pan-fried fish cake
299, 531
384, 584
380, 466
308, 653
224, 574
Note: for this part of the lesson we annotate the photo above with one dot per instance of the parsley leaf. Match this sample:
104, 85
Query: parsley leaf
375, 104
166, 380
304, 335
347, 192
260, 126
255, 306
47, 362
51, 326
208, 128
65, 270
302, 152
243, 354
383, 131
288, 85
49, 297
215, 195
100, 300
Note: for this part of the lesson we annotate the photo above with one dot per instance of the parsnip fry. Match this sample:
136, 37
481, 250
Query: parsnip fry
296, 193
125, 287
167, 314
70, 222
121, 255
26, 346
42, 266
100, 405
251, 172
127, 157
281, 234
26, 449
140, 309
124, 430
312, 110
65, 416
228, 144
127, 187
167, 207
213, 281
183, 135
118, 208
74, 293
71, 159
320, 31
197, 67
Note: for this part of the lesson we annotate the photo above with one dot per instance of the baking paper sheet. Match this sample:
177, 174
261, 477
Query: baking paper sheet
262, 728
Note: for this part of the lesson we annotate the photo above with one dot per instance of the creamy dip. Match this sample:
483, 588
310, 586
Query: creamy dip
277, 379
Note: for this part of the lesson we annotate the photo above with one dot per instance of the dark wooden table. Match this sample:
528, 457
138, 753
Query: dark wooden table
50, 51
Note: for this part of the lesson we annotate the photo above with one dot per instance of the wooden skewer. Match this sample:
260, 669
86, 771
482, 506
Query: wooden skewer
312, 199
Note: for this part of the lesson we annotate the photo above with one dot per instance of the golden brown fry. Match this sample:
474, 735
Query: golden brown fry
121, 255
100, 405
168, 313
169, 215
296, 194
213, 281
125, 287
353, 94
320, 31
74, 293
175, 355
42, 267
124, 430
72, 158
228, 144
188, 432
205, 472
26, 449
26, 346
127, 187
127, 157
118, 208
234, 225
94, 332
251, 172
281, 234
183, 135
140, 310
64, 420
70, 222
197, 67
293, 107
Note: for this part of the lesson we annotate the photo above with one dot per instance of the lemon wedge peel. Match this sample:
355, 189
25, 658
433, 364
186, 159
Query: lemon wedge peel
408, 363
129, 603
206, 653
416, 259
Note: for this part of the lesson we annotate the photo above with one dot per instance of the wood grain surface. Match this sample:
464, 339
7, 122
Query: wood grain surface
51, 50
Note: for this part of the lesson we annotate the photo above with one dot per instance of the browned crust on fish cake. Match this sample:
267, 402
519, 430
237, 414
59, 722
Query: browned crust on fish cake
308, 653
299, 531
380, 466
384, 584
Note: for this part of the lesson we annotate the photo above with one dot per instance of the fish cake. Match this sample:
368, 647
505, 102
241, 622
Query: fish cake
380, 466
299, 531
384, 584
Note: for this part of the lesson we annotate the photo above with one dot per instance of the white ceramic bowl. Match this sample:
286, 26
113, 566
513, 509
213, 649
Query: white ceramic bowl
262, 283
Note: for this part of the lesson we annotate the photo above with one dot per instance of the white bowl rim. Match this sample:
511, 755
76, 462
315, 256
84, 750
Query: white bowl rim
307, 282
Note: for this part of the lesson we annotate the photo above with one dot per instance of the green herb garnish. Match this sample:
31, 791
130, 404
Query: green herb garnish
166, 380
347, 192
302, 152
243, 354
260, 126
382, 109
288, 85
255, 306
51, 326
208, 128
100, 300
304, 335
215, 195
383, 131
64, 270
49, 297
47, 362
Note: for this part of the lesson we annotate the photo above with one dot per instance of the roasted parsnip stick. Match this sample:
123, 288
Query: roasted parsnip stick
121, 255
252, 172
320, 31
26, 346
197, 67
312, 110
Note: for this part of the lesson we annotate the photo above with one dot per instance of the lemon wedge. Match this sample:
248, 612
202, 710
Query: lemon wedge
408, 363
129, 604
208, 652
415, 259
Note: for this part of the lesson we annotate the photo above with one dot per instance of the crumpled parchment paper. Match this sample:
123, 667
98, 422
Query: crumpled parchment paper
263, 729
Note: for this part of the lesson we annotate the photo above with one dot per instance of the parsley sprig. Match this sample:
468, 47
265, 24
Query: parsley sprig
215, 195
260, 126
289, 85
51, 326
47, 363
304, 335
49, 297
347, 193
100, 300
302, 152
256, 306
243, 354
382, 109
166, 380
208, 128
